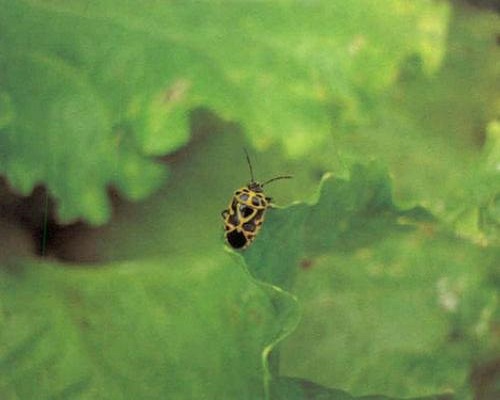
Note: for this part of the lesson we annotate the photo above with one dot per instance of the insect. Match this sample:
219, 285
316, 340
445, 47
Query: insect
245, 213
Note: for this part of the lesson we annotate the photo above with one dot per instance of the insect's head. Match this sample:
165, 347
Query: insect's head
256, 186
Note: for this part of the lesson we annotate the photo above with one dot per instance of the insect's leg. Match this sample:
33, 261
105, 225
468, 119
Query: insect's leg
224, 214
269, 204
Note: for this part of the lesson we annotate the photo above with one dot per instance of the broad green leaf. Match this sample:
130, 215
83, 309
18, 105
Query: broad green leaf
408, 315
89, 92
391, 303
184, 327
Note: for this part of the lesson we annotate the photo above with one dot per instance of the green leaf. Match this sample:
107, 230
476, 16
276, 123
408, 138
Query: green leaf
92, 90
391, 303
184, 328
408, 315
347, 214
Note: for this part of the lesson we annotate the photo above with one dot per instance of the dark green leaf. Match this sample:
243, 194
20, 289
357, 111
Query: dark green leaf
183, 328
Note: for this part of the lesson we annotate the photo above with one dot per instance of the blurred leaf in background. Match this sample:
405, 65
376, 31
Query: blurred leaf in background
438, 133
91, 90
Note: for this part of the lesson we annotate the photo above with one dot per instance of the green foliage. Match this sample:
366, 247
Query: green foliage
155, 329
90, 91
376, 273
437, 133
379, 286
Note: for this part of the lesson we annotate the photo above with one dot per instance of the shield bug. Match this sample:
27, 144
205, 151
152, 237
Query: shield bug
245, 214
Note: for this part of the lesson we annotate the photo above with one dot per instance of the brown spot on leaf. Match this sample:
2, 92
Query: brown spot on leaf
306, 263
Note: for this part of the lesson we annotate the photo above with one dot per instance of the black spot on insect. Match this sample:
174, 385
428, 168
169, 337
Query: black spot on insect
246, 211
236, 239
249, 227
243, 218
233, 220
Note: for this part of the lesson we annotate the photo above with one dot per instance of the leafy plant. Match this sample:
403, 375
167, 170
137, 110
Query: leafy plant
375, 275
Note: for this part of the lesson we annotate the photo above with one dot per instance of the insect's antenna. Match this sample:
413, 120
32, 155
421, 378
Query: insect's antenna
249, 164
277, 178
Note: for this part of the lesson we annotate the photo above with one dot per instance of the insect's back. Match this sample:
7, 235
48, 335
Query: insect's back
244, 216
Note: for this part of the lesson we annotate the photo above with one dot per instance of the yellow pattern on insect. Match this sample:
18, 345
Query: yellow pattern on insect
245, 214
